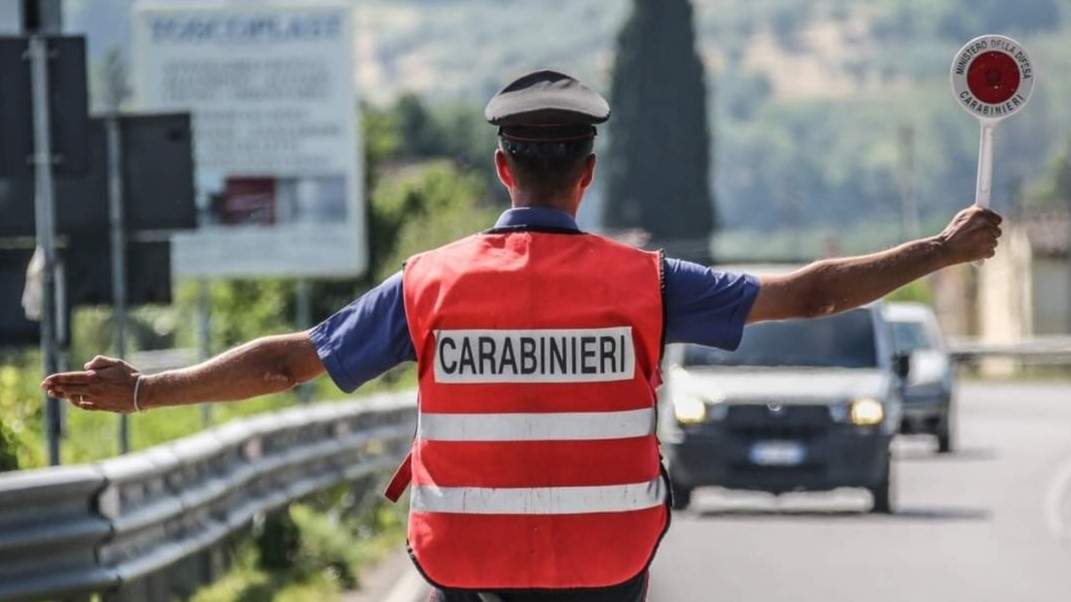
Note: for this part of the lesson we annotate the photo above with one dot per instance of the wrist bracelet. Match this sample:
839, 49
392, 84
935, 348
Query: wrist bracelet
137, 388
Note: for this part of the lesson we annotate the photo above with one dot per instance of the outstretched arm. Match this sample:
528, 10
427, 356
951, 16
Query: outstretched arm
835, 285
266, 365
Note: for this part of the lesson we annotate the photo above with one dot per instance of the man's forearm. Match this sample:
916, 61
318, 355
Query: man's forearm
835, 285
266, 365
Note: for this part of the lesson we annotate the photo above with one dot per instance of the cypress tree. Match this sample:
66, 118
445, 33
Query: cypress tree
658, 161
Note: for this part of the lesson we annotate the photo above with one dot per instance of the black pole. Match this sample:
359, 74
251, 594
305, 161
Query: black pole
38, 18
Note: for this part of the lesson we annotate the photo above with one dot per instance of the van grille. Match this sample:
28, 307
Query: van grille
763, 421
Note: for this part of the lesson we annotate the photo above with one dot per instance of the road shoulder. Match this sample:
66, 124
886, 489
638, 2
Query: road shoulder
393, 579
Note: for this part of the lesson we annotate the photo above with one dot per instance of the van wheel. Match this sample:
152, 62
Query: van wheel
883, 491
944, 434
682, 497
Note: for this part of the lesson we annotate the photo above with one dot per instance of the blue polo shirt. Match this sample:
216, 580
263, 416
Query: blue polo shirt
370, 336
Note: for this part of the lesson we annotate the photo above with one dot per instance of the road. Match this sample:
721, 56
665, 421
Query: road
987, 523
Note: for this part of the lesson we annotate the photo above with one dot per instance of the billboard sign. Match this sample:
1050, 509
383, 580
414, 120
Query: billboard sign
271, 91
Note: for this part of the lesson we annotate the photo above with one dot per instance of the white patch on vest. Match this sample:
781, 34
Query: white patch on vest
534, 356
564, 426
539, 500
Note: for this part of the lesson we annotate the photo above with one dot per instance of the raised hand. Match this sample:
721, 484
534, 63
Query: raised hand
105, 384
972, 235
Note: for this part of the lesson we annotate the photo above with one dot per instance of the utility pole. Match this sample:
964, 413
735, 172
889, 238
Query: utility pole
204, 336
909, 210
41, 17
116, 90
304, 321
118, 248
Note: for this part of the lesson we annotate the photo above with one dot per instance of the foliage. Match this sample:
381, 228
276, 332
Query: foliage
20, 410
246, 582
313, 550
658, 162
427, 206
1053, 191
450, 130
918, 291
962, 20
241, 310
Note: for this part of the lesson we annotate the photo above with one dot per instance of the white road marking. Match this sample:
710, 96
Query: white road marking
410, 588
1058, 503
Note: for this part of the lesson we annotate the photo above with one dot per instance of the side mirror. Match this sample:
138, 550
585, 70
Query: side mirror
902, 365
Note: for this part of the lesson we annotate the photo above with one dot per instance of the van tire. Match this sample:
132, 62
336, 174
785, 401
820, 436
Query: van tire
682, 497
882, 493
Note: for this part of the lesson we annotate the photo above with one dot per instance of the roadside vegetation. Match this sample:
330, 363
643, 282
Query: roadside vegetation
312, 551
421, 196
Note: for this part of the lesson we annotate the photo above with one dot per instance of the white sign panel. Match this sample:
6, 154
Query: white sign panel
534, 356
10, 18
271, 91
992, 77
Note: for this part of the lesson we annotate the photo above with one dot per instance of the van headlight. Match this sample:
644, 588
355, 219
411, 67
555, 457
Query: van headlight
866, 412
689, 409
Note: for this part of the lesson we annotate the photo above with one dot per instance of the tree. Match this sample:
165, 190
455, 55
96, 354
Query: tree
658, 164
1053, 190
426, 206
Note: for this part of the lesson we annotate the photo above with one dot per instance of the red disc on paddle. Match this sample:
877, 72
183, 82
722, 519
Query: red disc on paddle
993, 77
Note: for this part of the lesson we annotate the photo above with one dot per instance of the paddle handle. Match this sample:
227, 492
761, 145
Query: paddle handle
983, 190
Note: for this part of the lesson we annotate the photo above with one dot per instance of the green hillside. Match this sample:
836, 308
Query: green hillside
808, 100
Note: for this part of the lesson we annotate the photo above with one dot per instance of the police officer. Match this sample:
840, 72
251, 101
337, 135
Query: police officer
535, 469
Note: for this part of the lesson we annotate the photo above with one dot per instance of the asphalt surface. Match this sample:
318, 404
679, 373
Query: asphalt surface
989, 522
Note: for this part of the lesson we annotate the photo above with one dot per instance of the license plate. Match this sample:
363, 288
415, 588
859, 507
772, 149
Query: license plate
777, 453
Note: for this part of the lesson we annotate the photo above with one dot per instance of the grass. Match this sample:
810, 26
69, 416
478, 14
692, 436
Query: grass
309, 553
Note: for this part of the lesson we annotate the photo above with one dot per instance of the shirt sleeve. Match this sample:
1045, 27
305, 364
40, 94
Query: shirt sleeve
366, 338
705, 306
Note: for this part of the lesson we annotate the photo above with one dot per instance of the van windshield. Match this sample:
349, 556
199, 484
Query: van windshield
842, 341
910, 336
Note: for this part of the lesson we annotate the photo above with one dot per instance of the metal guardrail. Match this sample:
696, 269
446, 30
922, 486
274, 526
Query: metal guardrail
146, 526
1037, 350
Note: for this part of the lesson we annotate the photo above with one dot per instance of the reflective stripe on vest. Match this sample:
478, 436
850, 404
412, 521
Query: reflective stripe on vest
557, 426
539, 500
536, 464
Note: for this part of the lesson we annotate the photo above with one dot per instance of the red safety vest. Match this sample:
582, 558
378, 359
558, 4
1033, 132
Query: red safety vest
535, 464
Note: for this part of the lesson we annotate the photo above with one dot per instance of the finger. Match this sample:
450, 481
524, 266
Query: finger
992, 216
69, 391
101, 361
65, 378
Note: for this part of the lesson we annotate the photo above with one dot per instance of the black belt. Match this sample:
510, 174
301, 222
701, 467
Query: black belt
633, 590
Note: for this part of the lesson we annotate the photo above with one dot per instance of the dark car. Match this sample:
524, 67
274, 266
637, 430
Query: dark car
928, 407
802, 405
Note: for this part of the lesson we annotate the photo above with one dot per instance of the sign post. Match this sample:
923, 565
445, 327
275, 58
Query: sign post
992, 79
44, 204
271, 91
118, 248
